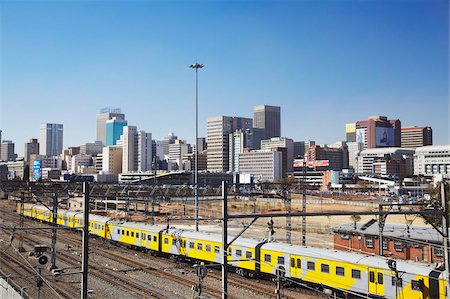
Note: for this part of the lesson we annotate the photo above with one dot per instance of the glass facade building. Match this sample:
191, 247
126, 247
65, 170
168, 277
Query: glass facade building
114, 129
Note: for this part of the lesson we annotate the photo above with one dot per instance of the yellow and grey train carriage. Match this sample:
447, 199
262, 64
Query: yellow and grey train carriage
341, 272
352, 273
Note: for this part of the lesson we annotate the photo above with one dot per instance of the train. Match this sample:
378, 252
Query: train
346, 274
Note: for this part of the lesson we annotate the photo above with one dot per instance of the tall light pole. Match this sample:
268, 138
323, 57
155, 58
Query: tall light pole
196, 66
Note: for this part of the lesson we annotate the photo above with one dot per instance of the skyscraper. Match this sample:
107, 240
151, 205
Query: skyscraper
137, 150
219, 128
378, 131
51, 139
413, 137
7, 151
31, 148
267, 118
106, 114
114, 129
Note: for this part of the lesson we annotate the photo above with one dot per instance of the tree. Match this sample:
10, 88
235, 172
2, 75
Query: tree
355, 219
436, 204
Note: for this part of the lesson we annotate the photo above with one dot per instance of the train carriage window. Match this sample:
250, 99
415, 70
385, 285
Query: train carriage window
356, 274
238, 252
199, 246
216, 249
371, 276
143, 236
102, 227
292, 262
149, 237
416, 285
166, 240
248, 254
281, 260
128, 233
174, 241
324, 268
155, 238
132, 234
137, 235
267, 258
118, 231
311, 266
380, 278
191, 245
340, 271
208, 248
299, 263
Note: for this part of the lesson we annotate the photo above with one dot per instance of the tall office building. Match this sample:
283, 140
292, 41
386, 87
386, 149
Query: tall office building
162, 147
137, 150
267, 118
238, 141
299, 149
106, 114
354, 148
31, 148
114, 129
51, 139
112, 159
378, 131
7, 151
177, 151
91, 148
219, 128
281, 142
413, 137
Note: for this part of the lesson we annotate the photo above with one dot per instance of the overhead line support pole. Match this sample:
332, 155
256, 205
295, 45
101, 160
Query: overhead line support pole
85, 253
54, 222
224, 240
445, 220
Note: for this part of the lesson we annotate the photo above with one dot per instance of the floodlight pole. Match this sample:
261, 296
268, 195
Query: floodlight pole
196, 66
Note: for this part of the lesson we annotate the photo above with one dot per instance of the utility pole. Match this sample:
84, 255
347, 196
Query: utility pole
54, 222
21, 248
196, 66
445, 233
381, 220
224, 240
278, 289
85, 254
304, 203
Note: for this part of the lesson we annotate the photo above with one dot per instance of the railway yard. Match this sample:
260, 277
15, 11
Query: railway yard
115, 271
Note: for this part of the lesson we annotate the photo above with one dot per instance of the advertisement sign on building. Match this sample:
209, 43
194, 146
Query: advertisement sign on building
384, 136
361, 135
350, 128
37, 169
315, 163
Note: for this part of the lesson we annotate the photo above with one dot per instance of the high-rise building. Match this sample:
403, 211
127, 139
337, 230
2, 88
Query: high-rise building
238, 141
413, 137
162, 146
281, 142
350, 132
354, 148
201, 143
378, 131
432, 160
262, 165
386, 161
31, 147
137, 150
106, 114
7, 151
112, 159
334, 155
219, 128
267, 118
177, 151
51, 139
299, 149
114, 129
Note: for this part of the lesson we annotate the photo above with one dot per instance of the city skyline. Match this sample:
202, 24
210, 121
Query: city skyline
385, 59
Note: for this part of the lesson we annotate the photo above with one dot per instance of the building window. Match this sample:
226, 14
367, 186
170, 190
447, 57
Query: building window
281, 260
438, 251
398, 246
340, 271
385, 244
324, 268
311, 266
356, 274
369, 242
267, 258
345, 236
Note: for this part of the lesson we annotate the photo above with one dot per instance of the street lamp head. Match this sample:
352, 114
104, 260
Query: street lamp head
196, 66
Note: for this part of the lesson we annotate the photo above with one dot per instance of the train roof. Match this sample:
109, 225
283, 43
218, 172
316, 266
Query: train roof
349, 257
214, 237
138, 225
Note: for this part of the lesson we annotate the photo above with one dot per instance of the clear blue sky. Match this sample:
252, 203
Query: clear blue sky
325, 63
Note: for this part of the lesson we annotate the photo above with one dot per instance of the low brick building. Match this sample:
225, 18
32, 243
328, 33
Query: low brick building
418, 243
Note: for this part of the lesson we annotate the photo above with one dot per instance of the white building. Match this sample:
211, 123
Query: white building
137, 150
91, 148
386, 161
105, 115
238, 140
262, 165
269, 144
51, 139
431, 160
177, 151
354, 148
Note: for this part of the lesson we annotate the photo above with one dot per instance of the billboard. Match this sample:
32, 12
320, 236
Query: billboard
384, 136
361, 135
315, 163
36, 169
350, 128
